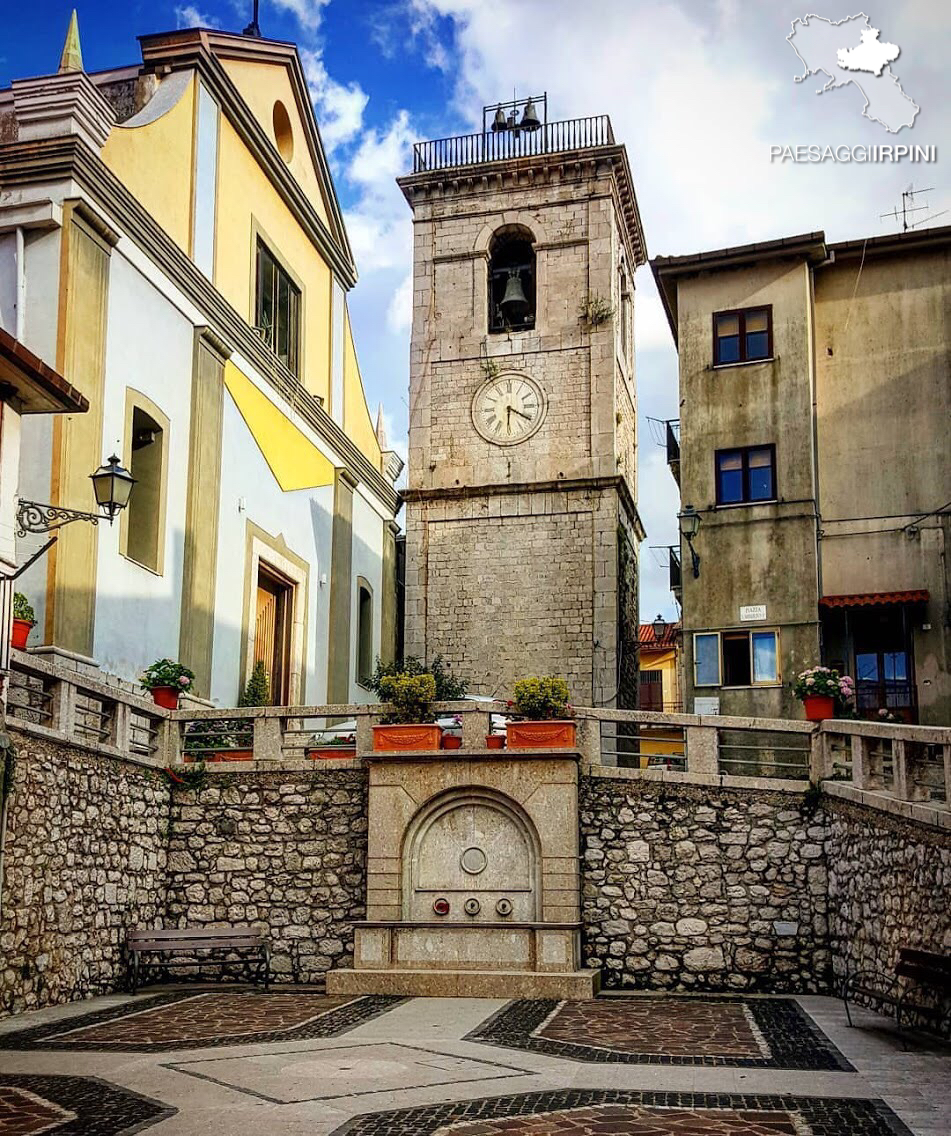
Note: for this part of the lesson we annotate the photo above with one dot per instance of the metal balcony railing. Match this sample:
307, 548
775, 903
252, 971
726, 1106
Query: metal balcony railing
475, 149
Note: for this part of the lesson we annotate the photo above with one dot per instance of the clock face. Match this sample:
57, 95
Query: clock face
508, 409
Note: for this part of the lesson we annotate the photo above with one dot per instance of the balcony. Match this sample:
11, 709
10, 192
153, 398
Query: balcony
476, 149
673, 448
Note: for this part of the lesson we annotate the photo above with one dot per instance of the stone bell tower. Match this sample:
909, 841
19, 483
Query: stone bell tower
521, 520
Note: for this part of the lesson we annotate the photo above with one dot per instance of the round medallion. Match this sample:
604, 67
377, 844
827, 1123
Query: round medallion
473, 861
472, 906
508, 408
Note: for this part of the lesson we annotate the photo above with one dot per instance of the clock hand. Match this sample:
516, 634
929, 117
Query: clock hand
521, 413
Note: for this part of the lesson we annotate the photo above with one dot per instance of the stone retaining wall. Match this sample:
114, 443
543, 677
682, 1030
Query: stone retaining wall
83, 862
285, 851
889, 886
683, 887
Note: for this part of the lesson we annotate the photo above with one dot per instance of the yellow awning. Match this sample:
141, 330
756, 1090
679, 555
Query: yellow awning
293, 459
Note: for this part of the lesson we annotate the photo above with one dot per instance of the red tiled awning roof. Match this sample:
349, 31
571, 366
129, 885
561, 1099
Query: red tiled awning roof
34, 387
876, 599
646, 637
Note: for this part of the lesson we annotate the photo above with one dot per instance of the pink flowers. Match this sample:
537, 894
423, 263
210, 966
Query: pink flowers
825, 682
183, 680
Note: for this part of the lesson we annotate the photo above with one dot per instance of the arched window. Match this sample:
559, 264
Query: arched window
511, 280
364, 631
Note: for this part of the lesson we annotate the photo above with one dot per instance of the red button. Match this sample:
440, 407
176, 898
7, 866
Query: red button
441, 906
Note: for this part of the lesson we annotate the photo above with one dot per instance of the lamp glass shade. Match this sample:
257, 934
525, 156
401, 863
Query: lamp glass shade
689, 521
112, 485
660, 628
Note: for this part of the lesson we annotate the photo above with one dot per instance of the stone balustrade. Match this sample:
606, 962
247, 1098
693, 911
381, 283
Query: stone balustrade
899, 767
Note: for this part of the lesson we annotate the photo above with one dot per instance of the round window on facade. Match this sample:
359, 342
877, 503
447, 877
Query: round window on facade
283, 134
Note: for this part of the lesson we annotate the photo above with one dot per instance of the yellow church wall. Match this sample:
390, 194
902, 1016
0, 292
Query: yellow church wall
154, 161
248, 206
357, 422
261, 86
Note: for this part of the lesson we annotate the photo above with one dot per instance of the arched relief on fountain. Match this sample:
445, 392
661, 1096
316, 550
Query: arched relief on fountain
477, 850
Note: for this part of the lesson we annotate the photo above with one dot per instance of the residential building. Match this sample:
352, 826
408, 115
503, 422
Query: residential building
660, 686
814, 464
522, 528
172, 244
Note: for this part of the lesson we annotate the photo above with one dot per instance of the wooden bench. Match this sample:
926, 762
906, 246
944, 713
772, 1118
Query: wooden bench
159, 947
926, 970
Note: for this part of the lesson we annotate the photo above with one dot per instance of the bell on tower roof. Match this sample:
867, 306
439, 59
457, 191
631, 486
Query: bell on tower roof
72, 57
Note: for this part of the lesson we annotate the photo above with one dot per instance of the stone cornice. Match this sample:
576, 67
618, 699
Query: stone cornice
507, 488
198, 49
539, 169
52, 159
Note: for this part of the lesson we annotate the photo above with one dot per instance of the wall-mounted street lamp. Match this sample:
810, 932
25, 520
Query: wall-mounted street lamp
689, 527
660, 628
112, 486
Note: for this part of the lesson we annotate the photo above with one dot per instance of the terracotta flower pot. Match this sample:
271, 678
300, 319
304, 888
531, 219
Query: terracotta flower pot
331, 753
419, 738
451, 741
221, 755
819, 706
21, 632
166, 696
555, 734
494, 741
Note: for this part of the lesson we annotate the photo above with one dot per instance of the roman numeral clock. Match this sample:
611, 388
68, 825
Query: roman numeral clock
521, 524
508, 409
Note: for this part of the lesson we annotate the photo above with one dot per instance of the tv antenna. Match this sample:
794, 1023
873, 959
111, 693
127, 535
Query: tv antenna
908, 207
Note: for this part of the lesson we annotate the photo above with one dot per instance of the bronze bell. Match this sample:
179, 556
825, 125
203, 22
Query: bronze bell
500, 122
530, 120
515, 306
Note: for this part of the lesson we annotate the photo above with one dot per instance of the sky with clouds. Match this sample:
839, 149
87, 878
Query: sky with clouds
697, 90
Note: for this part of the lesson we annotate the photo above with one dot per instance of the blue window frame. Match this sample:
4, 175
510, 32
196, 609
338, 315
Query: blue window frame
742, 336
745, 476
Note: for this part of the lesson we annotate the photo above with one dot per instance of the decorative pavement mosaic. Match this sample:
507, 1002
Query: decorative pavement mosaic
66, 1106
757, 1033
607, 1112
181, 1020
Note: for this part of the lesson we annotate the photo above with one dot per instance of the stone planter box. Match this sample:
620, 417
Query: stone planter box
414, 738
555, 734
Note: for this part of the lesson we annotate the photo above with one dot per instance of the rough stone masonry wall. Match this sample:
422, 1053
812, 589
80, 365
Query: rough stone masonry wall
682, 886
282, 851
83, 862
889, 887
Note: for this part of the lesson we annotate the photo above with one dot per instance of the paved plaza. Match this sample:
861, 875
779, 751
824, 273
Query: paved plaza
198, 1060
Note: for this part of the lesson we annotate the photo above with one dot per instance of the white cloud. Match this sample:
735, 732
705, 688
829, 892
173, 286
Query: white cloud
651, 329
339, 107
383, 155
308, 12
189, 16
399, 314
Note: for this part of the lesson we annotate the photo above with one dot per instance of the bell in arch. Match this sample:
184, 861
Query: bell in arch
515, 306
530, 120
500, 122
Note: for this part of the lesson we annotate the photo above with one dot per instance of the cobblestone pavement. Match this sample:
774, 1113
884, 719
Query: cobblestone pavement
293, 1063
179, 1021
747, 1032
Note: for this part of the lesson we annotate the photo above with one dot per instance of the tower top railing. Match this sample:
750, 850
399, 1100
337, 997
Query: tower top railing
505, 145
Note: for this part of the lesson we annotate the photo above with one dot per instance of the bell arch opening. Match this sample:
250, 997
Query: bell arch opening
512, 279
471, 844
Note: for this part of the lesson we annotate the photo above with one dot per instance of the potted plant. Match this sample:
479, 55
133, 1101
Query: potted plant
335, 748
452, 739
24, 620
409, 723
543, 715
821, 690
167, 680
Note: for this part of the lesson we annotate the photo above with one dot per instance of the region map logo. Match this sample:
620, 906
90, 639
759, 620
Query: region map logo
850, 53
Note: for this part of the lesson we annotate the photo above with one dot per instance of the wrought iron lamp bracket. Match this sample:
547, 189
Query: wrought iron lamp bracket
33, 517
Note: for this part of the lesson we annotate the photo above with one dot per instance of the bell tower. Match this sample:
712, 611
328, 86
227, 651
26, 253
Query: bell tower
522, 529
